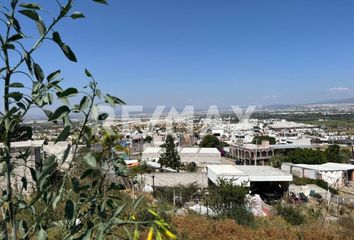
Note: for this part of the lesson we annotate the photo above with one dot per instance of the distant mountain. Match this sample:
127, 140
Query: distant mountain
335, 101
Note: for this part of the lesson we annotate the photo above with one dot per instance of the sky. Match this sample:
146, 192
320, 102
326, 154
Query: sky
211, 52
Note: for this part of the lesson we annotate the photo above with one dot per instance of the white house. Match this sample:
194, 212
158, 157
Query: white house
335, 174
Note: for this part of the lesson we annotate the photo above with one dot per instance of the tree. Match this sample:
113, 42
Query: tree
169, 155
335, 154
213, 142
306, 156
258, 139
345, 155
332, 153
85, 205
277, 161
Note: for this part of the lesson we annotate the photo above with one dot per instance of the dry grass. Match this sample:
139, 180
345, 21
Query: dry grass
194, 227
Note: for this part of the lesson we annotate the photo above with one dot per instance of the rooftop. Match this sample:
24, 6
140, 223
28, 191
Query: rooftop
186, 150
330, 166
225, 170
255, 173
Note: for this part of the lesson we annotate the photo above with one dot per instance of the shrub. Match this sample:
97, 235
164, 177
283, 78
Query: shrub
242, 215
191, 167
291, 214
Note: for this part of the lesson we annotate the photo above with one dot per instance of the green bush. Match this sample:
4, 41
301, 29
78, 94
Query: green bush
243, 216
291, 214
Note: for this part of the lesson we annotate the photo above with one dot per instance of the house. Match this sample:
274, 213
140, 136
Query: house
253, 154
258, 178
335, 174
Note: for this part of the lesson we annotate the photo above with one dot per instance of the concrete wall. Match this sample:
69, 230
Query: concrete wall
200, 159
174, 179
335, 179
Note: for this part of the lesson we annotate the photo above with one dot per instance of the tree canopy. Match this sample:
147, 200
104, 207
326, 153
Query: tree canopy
258, 139
212, 141
169, 155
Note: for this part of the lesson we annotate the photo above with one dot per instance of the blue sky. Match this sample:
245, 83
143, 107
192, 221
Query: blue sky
202, 52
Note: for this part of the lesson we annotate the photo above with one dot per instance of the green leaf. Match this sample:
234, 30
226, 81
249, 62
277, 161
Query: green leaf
103, 116
33, 174
90, 160
88, 73
30, 14
76, 15
28, 61
65, 48
55, 201
66, 153
41, 27
56, 38
75, 185
48, 167
63, 135
59, 113
42, 235
113, 100
69, 210
53, 75
94, 112
118, 210
9, 46
66, 8
15, 37
38, 72
68, 52
137, 202
16, 85
67, 93
84, 103
87, 173
101, 1
17, 96
34, 6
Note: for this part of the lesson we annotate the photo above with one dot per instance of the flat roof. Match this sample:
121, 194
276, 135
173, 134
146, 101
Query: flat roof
152, 150
255, 173
265, 173
226, 170
209, 150
186, 150
330, 166
274, 146
189, 150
